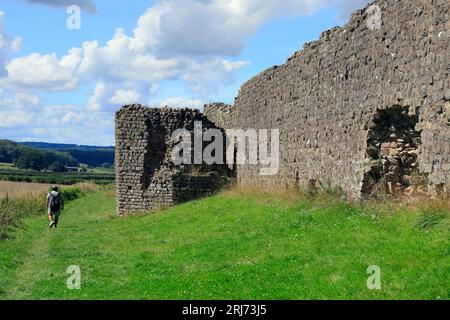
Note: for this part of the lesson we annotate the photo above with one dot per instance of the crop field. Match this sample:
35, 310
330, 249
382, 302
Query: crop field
64, 178
15, 190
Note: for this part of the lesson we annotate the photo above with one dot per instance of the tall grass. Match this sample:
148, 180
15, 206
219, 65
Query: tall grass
430, 210
320, 197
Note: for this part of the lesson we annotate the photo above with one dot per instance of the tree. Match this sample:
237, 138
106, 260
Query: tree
56, 167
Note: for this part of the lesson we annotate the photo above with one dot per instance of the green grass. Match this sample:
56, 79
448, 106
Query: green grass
226, 247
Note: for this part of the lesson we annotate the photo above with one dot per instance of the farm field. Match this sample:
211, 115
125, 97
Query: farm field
231, 246
98, 176
16, 190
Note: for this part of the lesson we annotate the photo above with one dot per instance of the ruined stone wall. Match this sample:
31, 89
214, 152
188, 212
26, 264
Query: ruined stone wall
220, 114
324, 99
147, 179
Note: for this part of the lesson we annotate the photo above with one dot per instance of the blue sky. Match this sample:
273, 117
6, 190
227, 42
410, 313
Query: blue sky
62, 85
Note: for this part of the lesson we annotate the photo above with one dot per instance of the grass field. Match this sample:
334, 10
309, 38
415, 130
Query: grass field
231, 246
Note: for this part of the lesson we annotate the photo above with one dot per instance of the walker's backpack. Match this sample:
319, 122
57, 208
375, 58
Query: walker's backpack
55, 202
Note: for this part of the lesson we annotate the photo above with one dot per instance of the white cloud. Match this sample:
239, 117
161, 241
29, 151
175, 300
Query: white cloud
25, 118
109, 96
45, 71
7, 44
217, 27
16, 44
26, 100
99, 97
206, 77
72, 117
14, 118
119, 63
123, 97
179, 102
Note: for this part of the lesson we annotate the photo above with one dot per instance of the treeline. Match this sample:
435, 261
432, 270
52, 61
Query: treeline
36, 159
90, 155
93, 158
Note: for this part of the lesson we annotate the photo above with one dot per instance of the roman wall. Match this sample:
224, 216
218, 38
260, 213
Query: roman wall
365, 107
146, 177
325, 98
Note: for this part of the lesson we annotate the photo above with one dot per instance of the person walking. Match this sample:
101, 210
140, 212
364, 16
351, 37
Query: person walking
55, 205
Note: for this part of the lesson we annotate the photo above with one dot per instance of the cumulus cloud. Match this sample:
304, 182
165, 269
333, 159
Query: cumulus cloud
15, 109
108, 96
123, 97
121, 63
87, 5
45, 71
24, 117
7, 44
179, 102
99, 97
206, 76
218, 27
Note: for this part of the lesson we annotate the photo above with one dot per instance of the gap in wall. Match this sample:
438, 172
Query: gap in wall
392, 152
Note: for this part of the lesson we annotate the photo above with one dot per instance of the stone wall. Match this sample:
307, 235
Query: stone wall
147, 179
325, 98
220, 114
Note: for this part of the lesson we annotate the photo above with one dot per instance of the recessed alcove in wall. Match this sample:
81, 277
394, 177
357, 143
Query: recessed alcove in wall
392, 153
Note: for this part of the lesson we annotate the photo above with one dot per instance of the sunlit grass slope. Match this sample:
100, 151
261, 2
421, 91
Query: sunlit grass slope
231, 246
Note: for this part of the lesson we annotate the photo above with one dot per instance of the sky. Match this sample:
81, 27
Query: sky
66, 66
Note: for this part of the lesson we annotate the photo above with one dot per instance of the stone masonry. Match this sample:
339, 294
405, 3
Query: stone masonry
220, 114
363, 108
147, 179
326, 98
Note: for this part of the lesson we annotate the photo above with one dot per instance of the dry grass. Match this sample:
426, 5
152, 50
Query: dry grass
329, 196
17, 190
412, 203
88, 187
265, 196
20, 190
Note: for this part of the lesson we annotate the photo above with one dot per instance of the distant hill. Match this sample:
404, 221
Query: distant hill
63, 146
25, 157
94, 156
